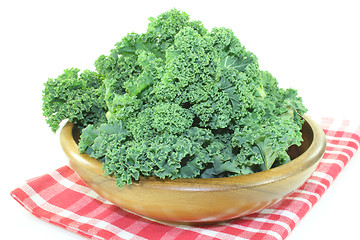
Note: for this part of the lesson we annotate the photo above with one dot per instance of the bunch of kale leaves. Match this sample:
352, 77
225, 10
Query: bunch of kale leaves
178, 101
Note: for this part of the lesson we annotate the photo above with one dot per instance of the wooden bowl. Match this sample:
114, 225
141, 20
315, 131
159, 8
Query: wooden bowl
201, 200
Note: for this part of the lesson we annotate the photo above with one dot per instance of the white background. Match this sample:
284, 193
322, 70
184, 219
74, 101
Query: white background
312, 46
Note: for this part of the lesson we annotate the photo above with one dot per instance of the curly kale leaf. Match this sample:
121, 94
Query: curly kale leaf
75, 97
269, 136
178, 101
166, 26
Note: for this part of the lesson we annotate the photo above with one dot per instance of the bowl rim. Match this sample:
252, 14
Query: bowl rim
310, 157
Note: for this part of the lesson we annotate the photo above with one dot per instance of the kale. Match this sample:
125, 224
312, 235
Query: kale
73, 96
178, 101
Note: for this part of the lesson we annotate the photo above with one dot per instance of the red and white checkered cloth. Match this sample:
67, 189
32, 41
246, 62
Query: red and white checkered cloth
61, 198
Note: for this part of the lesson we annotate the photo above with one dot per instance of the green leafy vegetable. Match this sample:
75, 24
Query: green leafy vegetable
75, 97
178, 101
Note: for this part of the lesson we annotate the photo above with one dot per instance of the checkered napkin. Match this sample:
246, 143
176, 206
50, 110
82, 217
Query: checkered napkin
61, 198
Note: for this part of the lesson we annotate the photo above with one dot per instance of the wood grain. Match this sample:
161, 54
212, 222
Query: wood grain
201, 200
